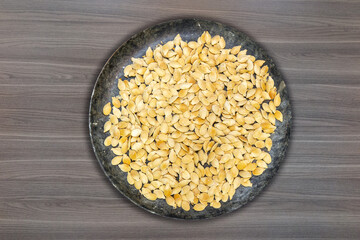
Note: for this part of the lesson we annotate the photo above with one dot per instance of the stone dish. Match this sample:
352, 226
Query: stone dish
106, 87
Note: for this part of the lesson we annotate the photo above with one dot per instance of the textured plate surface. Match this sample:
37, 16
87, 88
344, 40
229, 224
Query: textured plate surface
106, 87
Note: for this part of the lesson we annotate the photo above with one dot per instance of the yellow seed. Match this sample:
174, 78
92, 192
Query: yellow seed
267, 158
136, 132
266, 107
159, 194
116, 160
258, 171
124, 167
246, 183
216, 204
187, 159
278, 116
234, 171
121, 85
185, 205
149, 52
260, 144
107, 126
116, 113
250, 167
235, 50
272, 93
167, 192
199, 207
135, 166
255, 152
261, 163
170, 201
222, 42
272, 119
151, 196
245, 174
237, 182
113, 119
107, 109
277, 100
130, 179
115, 102
143, 178
268, 144
241, 165
114, 142
272, 106
107, 141
175, 64
138, 184
126, 160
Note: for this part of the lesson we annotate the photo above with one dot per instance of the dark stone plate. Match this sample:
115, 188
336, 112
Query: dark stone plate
106, 87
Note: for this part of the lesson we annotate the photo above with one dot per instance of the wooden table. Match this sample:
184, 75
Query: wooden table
51, 186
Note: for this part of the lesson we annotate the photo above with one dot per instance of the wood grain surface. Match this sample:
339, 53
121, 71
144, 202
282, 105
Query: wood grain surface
51, 186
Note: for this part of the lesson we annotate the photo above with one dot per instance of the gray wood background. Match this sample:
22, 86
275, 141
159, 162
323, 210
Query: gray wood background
51, 186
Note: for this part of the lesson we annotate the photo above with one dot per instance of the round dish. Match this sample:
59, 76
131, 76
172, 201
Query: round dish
106, 87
